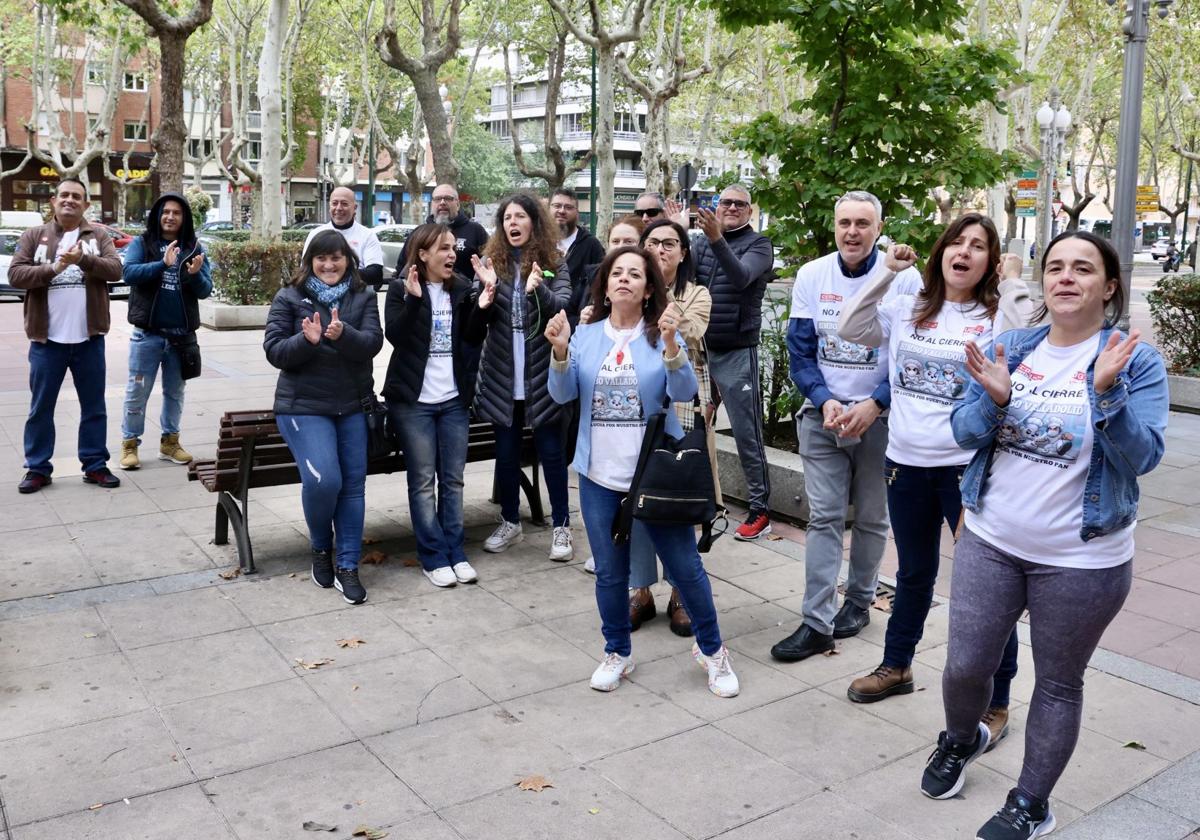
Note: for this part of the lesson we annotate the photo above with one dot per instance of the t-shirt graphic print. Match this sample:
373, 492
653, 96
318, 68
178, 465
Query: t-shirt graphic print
618, 419
1046, 422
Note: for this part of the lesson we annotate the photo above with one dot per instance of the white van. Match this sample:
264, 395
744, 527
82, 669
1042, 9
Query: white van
20, 219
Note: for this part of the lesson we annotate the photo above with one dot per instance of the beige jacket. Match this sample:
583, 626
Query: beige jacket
697, 307
32, 269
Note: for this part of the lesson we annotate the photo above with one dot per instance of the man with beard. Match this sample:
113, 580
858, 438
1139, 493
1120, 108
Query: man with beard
469, 235
343, 217
580, 248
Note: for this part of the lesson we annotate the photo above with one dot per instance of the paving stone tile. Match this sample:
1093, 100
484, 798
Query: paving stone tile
683, 767
69, 570
427, 827
772, 584
556, 592
810, 720
1129, 817
345, 786
460, 758
192, 668
727, 596
581, 804
1125, 711
58, 637
1131, 634
76, 502
854, 656
516, 662
1155, 600
590, 724
183, 813
316, 636
1180, 574
652, 641
1175, 789
245, 728
463, 613
73, 768
921, 712
137, 547
67, 693
272, 598
27, 514
393, 692
826, 816
1100, 768
732, 558
1181, 655
168, 618
1165, 542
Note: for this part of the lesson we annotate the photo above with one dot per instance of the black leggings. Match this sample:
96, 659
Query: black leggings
1069, 610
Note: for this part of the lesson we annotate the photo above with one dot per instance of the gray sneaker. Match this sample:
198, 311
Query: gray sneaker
505, 535
561, 549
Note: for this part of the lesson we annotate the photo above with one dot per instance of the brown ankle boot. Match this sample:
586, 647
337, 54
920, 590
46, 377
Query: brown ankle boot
681, 622
883, 682
641, 607
996, 720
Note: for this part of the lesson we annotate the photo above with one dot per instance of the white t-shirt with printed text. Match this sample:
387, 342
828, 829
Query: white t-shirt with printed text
67, 299
362, 240
851, 371
618, 418
1032, 505
439, 384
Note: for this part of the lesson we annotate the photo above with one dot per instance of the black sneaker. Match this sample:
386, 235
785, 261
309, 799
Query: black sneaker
33, 482
102, 477
802, 644
850, 620
347, 582
943, 776
1021, 818
322, 568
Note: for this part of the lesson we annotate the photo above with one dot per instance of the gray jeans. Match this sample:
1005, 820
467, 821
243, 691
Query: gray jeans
835, 476
735, 373
1069, 610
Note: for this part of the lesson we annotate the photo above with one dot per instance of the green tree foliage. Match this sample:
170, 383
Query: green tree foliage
891, 109
486, 169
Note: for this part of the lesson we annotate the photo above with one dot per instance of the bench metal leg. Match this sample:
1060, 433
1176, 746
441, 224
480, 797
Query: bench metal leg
228, 508
533, 493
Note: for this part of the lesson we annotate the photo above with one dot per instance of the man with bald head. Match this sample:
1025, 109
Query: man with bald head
469, 235
343, 217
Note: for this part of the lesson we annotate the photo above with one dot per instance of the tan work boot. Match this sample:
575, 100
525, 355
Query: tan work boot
170, 450
129, 456
883, 682
996, 720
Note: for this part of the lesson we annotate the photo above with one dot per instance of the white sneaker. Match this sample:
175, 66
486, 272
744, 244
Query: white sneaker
721, 679
560, 547
442, 576
505, 535
589, 565
464, 573
607, 676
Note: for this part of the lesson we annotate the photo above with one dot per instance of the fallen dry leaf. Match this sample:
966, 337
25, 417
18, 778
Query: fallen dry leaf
96, 807
230, 574
833, 652
411, 562
373, 558
370, 540
352, 642
354, 687
90, 635
316, 826
536, 783
312, 666
1134, 745
593, 811
369, 833
774, 537
293, 574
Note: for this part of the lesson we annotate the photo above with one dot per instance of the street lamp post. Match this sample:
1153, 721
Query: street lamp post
1137, 28
1055, 121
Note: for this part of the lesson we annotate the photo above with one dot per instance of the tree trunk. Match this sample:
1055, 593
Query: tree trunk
606, 162
437, 126
270, 98
655, 163
171, 135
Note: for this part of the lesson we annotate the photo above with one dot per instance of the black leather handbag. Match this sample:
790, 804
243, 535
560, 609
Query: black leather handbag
381, 439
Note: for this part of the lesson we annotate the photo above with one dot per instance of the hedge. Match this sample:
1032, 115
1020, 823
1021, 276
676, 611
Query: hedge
252, 271
247, 235
1175, 311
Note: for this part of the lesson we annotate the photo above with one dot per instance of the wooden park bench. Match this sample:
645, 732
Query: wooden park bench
251, 453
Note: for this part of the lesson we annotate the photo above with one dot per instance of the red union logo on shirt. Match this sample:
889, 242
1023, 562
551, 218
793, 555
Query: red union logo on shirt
927, 325
827, 297
1079, 376
975, 330
1029, 372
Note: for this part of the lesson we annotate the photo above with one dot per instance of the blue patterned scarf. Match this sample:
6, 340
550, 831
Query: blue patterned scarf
329, 296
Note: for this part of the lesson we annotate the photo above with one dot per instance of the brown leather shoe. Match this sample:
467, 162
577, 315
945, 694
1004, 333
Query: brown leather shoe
883, 682
641, 607
681, 622
996, 720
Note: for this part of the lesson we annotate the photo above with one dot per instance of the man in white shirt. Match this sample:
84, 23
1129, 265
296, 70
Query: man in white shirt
842, 431
343, 217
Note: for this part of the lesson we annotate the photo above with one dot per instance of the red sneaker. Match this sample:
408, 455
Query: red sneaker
756, 525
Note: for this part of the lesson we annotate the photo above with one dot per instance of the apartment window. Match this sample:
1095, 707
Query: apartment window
571, 123
95, 73
627, 123
92, 120
199, 148
499, 129
135, 82
135, 132
253, 151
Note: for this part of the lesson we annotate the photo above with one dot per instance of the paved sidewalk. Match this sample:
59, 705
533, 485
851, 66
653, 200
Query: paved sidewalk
143, 696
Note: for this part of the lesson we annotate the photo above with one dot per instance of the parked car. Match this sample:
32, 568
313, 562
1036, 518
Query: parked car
220, 227
8, 246
119, 237
391, 240
304, 226
1160, 246
20, 219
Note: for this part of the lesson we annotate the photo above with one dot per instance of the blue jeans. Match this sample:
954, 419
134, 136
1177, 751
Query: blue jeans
919, 499
548, 440
434, 441
331, 453
643, 562
675, 544
147, 352
48, 365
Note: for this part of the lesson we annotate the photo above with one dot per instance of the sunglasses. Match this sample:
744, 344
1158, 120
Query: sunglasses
735, 203
649, 211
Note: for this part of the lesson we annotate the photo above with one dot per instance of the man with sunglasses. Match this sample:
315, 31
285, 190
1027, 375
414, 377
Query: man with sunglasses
653, 205
734, 261
469, 235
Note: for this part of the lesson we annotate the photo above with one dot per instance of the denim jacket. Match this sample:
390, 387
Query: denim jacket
658, 379
1127, 420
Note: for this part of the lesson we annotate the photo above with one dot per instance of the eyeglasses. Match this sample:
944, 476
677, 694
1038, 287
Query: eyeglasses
664, 244
444, 199
736, 204
560, 206
649, 211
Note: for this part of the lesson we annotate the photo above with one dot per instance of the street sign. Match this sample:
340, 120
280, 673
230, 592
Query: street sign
1147, 199
1027, 190
686, 177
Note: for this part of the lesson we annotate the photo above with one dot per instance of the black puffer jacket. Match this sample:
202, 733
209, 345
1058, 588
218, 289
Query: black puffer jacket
408, 326
736, 270
329, 378
492, 327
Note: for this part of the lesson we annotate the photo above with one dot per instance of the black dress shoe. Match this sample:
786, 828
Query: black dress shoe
802, 644
850, 620
33, 482
102, 477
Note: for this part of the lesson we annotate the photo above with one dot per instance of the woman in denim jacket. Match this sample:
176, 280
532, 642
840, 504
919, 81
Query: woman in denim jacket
625, 364
1064, 419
